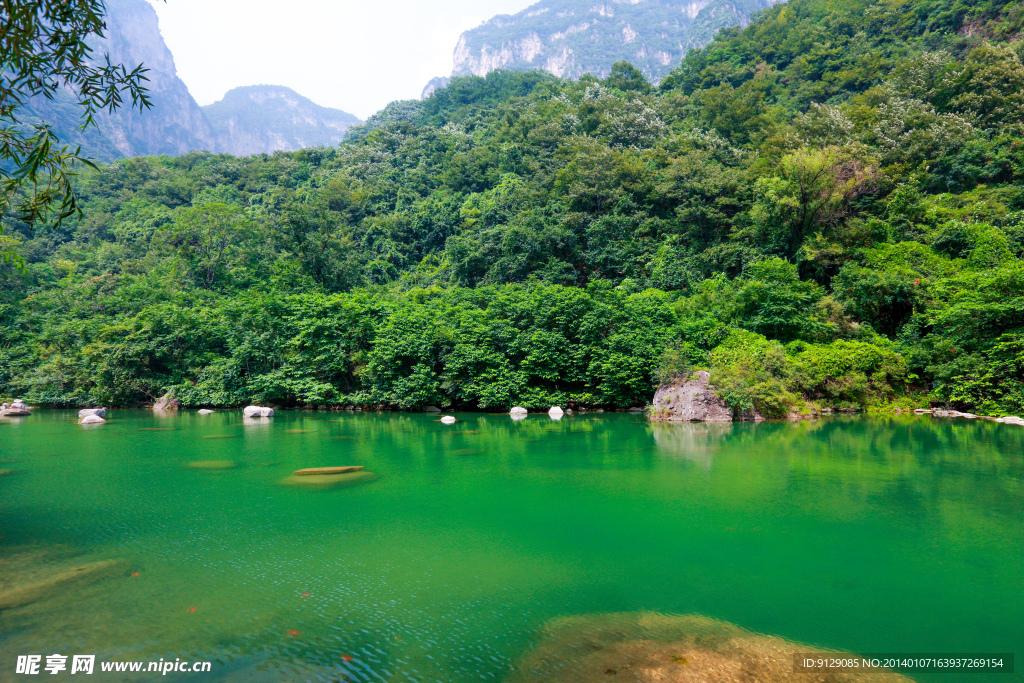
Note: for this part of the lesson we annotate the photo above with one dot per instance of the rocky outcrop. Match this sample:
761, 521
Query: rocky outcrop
167, 402
690, 399
257, 411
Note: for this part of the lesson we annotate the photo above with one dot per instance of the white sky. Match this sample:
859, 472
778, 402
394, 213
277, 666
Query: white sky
351, 55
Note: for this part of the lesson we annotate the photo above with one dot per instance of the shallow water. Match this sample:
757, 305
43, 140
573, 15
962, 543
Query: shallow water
862, 534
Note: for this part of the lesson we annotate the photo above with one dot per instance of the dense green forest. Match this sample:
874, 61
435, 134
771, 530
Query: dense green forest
826, 206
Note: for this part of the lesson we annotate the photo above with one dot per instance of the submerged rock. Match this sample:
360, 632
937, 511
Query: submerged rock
258, 411
25, 593
86, 412
327, 481
690, 399
92, 420
213, 464
654, 648
4, 473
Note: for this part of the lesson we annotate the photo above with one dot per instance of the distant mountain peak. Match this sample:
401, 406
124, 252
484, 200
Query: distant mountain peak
281, 119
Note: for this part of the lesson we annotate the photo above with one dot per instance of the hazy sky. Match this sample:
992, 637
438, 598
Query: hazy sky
356, 56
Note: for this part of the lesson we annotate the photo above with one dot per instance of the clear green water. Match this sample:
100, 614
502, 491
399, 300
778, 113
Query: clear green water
866, 535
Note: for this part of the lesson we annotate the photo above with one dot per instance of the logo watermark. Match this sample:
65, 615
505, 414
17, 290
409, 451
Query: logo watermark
86, 664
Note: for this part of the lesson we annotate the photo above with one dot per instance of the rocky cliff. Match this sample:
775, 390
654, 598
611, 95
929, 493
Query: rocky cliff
247, 121
569, 38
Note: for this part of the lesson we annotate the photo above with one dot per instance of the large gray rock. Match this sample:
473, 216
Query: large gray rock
690, 399
257, 411
518, 410
85, 412
167, 402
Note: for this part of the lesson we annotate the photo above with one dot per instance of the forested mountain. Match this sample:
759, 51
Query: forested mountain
247, 121
569, 38
825, 208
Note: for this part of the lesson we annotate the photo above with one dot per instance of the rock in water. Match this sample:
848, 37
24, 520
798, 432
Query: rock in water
448, 420
258, 411
431, 409
15, 412
312, 471
204, 411
555, 411
167, 402
92, 420
654, 648
85, 412
328, 481
213, 464
688, 399
24, 594
518, 410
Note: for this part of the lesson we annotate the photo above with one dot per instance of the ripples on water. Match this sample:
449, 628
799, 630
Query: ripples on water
475, 539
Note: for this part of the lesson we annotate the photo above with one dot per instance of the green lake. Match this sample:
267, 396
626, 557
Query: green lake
868, 535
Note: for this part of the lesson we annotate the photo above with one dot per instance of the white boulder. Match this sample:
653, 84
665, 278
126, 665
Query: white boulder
518, 410
204, 411
85, 412
92, 420
448, 420
258, 411
556, 412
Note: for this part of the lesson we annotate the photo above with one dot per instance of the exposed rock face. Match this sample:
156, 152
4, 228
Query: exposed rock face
690, 399
257, 411
267, 118
569, 38
435, 84
167, 402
